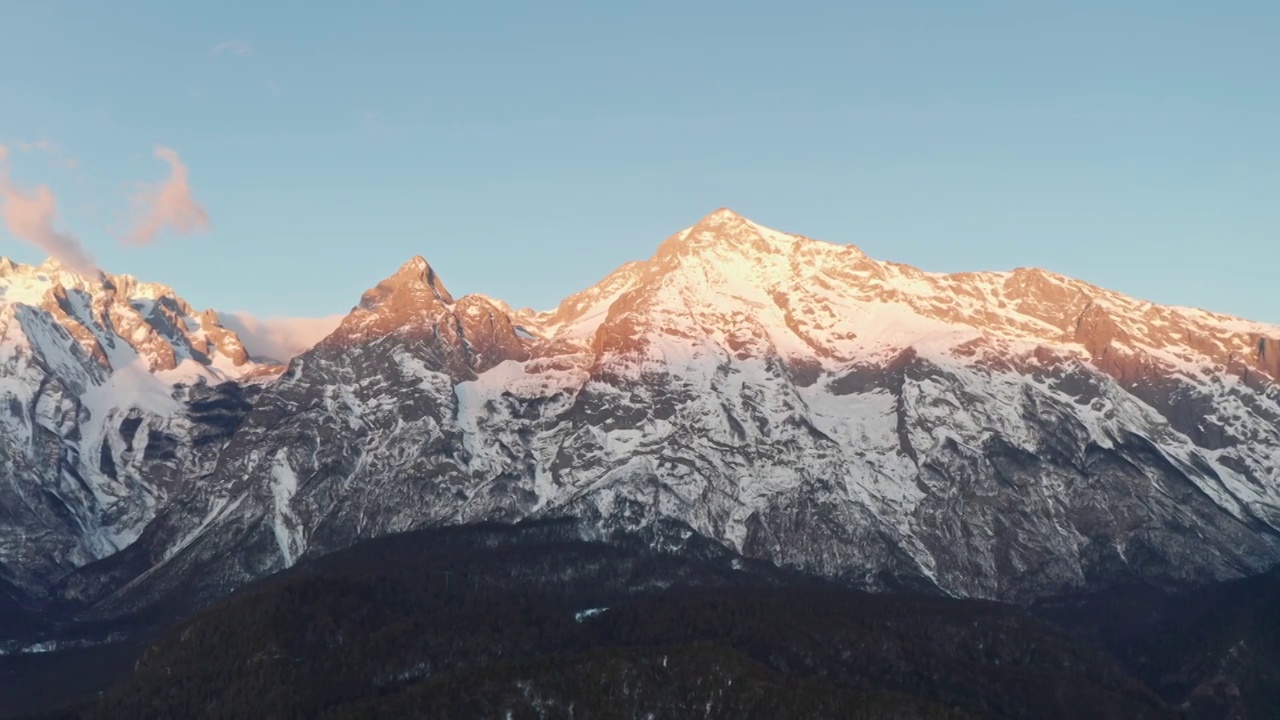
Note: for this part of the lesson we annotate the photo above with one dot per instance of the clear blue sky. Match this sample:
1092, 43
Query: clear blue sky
526, 149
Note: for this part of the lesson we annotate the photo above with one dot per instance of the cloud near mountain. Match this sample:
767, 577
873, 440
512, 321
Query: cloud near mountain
279, 338
168, 207
29, 216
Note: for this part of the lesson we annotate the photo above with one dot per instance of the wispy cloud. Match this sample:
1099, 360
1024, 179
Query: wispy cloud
53, 150
29, 216
238, 48
167, 207
279, 338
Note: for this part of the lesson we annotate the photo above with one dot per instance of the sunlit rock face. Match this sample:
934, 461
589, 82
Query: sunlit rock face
1003, 435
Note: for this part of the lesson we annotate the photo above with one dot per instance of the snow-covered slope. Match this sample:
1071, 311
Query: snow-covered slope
97, 377
1007, 435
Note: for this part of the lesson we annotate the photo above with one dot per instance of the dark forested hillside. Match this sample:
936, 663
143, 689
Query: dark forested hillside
533, 621
1214, 652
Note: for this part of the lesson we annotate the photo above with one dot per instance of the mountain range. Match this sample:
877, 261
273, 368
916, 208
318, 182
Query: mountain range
1012, 436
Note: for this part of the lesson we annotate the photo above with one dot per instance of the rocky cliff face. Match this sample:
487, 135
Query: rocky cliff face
1000, 435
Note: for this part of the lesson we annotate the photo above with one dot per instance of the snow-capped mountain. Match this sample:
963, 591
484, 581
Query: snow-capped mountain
107, 385
1005, 435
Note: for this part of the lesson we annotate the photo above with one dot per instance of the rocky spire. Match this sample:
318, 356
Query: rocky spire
410, 297
415, 282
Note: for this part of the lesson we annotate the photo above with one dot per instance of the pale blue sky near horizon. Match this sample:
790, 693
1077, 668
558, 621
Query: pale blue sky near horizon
527, 149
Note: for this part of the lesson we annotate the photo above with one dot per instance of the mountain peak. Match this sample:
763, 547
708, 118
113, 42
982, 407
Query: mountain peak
412, 293
415, 264
722, 215
724, 236
415, 276
723, 223
721, 228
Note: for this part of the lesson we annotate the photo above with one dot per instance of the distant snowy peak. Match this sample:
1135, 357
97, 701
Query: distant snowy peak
119, 321
726, 233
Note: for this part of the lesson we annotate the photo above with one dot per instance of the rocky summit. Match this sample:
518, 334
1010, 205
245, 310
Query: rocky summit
1002, 435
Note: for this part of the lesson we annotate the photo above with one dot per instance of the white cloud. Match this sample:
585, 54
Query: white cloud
279, 338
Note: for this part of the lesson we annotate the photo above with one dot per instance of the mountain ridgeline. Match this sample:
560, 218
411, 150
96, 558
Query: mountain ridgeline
993, 435
1012, 436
